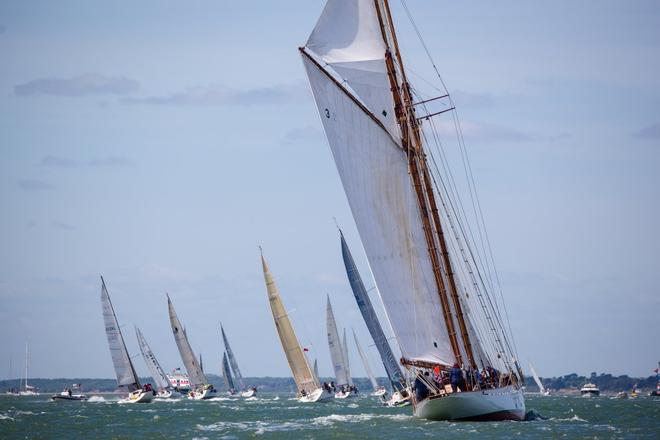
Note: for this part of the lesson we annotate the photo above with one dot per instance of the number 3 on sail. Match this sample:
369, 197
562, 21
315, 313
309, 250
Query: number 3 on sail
438, 297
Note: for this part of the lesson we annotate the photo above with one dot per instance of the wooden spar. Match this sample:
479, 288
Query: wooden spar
412, 150
425, 195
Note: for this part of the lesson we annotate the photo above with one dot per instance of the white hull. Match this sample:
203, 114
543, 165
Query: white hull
139, 396
202, 394
379, 392
318, 395
28, 393
249, 393
345, 395
505, 403
398, 399
167, 394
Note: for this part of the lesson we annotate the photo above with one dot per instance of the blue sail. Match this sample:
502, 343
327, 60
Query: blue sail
364, 303
226, 374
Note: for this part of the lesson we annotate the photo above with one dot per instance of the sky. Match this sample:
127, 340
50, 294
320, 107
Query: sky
160, 143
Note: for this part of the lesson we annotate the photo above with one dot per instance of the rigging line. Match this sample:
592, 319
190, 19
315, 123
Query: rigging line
499, 322
435, 68
453, 229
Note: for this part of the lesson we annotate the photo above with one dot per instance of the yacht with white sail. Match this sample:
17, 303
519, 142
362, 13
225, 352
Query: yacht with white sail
378, 390
127, 378
245, 391
164, 388
339, 355
309, 389
542, 390
400, 390
201, 389
439, 294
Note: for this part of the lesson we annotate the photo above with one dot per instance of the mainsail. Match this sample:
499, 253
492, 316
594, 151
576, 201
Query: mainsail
302, 373
126, 375
157, 373
195, 373
316, 370
374, 171
226, 373
369, 314
232, 359
365, 362
336, 349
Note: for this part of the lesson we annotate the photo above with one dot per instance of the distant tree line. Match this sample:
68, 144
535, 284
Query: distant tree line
604, 381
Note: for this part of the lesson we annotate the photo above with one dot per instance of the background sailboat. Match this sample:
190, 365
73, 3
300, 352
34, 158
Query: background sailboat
160, 378
200, 387
378, 390
309, 389
419, 251
27, 390
542, 390
126, 376
401, 395
226, 375
234, 366
338, 355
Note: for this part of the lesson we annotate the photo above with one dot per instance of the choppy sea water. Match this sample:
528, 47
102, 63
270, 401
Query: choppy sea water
281, 416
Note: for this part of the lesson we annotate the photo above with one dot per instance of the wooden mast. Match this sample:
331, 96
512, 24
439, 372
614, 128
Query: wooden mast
425, 194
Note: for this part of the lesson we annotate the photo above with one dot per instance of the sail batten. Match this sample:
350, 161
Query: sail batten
300, 369
126, 375
195, 373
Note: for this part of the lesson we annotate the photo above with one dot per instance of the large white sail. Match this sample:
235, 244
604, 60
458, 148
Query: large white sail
344, 348
336, 349
126, 376
232, 360
157, 373
348, 38
365, 362
302, 373
374, 172
195, 373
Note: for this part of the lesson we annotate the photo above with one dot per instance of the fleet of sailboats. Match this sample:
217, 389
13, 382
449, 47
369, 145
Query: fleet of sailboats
456, 358
416, 245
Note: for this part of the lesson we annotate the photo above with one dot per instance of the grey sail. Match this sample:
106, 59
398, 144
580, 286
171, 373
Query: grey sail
232, 360
226, 373
126, 376
346, 363
201, 364
316, 370
336, 350
195, 373
369, 314
365, 362
156, 371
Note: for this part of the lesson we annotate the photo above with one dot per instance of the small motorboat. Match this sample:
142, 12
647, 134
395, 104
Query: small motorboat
590, 390
67, 394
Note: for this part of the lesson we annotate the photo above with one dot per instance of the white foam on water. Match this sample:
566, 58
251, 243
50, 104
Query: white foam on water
6, 417
218, 399
353, 405
257, 427
96, 399
251, 399
276, 398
